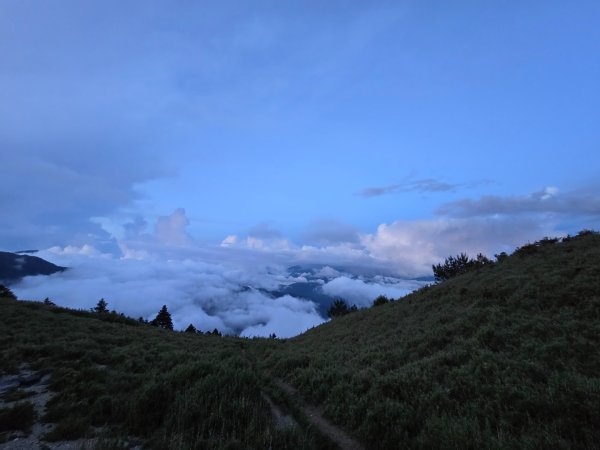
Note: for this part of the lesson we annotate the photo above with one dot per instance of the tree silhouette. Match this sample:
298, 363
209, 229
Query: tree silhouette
6, 292
101, 307
190, 329
457, 265
382, 299
338, 308
163, 319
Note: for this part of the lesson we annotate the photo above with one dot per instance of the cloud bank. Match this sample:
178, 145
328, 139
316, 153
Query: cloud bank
237, 286
207, 295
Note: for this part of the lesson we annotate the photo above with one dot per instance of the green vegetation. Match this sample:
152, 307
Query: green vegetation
504, 355
100, 308
17, 417
381, 300
458, 265
340, 308
163, 319
171, 390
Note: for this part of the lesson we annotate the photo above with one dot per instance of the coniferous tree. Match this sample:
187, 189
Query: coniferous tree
190, 329
6, 292
49, 302
338, 308
457, 265
163, 319
101, 307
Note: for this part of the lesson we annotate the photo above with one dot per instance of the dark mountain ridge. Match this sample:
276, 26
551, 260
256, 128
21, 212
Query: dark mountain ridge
15, 266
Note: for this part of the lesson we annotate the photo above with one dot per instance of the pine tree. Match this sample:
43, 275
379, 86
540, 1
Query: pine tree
190, 329
163, 319
101, 307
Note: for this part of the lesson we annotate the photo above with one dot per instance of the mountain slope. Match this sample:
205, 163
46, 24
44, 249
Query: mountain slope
14, 266
505, 356
502, 357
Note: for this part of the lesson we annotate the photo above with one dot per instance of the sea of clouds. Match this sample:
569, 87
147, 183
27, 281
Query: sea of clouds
207, 295
238, 285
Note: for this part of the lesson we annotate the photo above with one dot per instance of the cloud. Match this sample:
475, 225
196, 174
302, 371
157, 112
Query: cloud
207, 295
421, 185
53, 194
261, 237
171, 230
327, 232
546, 201
227, 286
362, 293
264, 231
410, 247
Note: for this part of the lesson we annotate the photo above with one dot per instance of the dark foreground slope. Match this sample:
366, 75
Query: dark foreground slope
504, 357
131, 383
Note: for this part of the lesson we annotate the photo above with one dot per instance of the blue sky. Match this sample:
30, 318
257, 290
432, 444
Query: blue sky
377, 129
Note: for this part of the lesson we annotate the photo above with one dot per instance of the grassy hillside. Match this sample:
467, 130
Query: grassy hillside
505, 356
117, 378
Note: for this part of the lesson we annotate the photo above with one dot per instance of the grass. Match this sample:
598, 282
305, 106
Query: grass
502, 357
18, 417
172, 390
16, 395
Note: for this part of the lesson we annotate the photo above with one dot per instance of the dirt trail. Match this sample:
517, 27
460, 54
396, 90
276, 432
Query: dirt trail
312, 413
314, 416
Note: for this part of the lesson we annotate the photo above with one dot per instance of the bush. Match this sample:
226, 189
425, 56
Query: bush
18, 417
339, 308
381, 300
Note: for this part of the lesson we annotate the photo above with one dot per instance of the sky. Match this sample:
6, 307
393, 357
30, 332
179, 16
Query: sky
379, 135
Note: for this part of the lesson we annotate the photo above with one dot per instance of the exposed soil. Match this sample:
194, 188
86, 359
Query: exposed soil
36, 384
315, 417
282, 420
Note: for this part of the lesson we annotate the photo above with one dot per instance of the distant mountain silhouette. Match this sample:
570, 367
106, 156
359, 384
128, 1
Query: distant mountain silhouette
14, 266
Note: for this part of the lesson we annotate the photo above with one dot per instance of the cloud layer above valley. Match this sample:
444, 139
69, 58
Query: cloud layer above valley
207, 295
239, 286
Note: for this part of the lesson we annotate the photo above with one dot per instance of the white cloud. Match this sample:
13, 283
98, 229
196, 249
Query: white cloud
206, 295
362, 294
411, 247
171, 230
548, 200
229, 241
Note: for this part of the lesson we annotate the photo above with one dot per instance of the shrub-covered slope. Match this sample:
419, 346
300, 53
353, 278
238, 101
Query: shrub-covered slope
116, 378
506, 356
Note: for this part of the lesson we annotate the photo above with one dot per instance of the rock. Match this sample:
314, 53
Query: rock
8, 383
